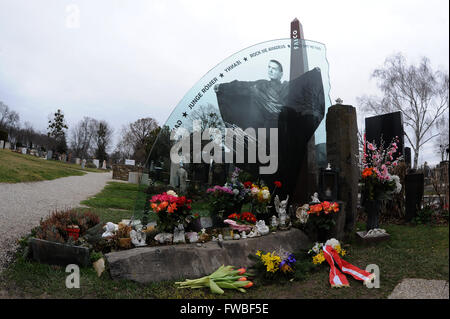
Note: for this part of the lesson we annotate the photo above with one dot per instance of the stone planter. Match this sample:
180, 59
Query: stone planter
52, 253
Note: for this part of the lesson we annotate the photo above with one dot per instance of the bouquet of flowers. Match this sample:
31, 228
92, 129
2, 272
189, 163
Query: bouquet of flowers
317, 252
321, 217
225, 277
228, 198
171, 210
378, 162
241, 222
280, 264
260, 196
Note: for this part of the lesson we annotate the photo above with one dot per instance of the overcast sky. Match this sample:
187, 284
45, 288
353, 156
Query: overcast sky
124, 60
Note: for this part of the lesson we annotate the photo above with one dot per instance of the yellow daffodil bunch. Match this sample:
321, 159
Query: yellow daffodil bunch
270, 260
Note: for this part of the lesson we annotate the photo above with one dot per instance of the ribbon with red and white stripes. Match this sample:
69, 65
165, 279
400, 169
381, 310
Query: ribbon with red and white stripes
338, 279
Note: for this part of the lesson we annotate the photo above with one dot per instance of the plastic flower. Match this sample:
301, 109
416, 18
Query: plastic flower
277, 184
319, 258
172, 193
367, 172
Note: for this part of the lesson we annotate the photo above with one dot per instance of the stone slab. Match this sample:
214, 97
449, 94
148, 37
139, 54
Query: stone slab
371, 240
53, 253
411, 288
178, 262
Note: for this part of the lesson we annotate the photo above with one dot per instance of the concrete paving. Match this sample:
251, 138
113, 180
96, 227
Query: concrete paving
411, 288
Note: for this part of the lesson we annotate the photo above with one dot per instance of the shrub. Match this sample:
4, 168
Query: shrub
53, 228
90, 165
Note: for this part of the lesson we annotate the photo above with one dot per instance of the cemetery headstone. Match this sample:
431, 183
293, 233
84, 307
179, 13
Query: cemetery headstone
83, 163
130, 162
2, 144
386, 127
7, 145
24, 150
49, 155
414, 189
78, 161
96, 163
104, 164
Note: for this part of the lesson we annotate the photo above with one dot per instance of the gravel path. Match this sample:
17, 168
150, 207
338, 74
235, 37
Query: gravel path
23, 204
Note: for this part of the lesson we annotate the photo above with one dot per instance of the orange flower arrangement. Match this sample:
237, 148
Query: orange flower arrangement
326, 207
367, 172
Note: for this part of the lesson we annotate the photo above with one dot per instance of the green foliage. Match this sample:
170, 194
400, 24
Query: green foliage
95, 256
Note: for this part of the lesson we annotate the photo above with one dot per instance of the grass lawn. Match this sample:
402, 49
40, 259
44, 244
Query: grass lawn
18, 168
412, 252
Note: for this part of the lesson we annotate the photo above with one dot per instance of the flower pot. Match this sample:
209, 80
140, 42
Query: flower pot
372, 209
73, 231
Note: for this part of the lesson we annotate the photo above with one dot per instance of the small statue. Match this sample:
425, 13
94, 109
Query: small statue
243, 235
253, 233
262, 228
315, 199
138, 238
178, 234
280, 208
236, 236
302, 213
274, 222
110, 229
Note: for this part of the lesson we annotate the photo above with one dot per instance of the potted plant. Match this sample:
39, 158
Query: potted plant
321, 218
378, 183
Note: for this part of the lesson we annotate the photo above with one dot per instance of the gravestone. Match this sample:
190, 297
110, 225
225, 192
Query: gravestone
104, 164
96, 163
24, 150
49, 155
7, 145
83, 163
63, 157
182, 176
408, 156
78, 161
2, 144
133, 177
342, 148
386, 127
130, 162
414, 189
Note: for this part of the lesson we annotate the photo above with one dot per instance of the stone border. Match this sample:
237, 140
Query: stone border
52, 253
174, 262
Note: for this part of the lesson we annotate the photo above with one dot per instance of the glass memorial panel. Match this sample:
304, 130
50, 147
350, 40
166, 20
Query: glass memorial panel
246, 112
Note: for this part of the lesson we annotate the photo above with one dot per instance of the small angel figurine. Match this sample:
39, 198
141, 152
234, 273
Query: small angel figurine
315, 198
280, 208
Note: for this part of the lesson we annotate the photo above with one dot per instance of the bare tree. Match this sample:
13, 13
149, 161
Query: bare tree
419, 92
441, 143
137, 138
82, 137
8, 117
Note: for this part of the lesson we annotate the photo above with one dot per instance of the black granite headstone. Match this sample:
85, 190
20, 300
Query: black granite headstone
414, 188
386, 127
408, 156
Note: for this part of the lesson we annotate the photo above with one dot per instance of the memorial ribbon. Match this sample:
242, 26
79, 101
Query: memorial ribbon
338, 279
